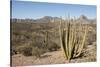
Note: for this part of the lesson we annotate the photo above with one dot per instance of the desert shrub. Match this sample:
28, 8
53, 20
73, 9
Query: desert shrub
37, 51
46, 45
13, 52
91, 37
53, 46
25, 50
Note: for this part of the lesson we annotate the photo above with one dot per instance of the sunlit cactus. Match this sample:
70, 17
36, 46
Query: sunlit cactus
72, 42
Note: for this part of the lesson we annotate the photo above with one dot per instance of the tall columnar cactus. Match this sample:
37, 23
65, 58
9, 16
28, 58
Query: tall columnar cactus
61, 38
71, 41
46, 38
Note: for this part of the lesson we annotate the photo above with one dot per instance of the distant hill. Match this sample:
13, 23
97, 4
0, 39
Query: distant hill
83, 19
48, 19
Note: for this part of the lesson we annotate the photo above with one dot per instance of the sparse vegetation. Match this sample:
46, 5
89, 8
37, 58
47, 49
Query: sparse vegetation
36, 39
27, 40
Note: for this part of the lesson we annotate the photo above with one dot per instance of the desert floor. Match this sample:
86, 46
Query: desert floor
56, 57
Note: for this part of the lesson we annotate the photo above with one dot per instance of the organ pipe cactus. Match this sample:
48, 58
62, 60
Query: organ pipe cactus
71, 42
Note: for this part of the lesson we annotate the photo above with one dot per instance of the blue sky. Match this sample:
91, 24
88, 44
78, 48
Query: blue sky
33, 10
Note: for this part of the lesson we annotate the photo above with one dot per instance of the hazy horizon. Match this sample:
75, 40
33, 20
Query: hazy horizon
35, 10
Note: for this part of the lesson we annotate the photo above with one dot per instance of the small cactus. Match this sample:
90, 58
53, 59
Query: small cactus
46, 38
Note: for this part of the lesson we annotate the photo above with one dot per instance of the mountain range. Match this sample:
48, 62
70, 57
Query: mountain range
48, 19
